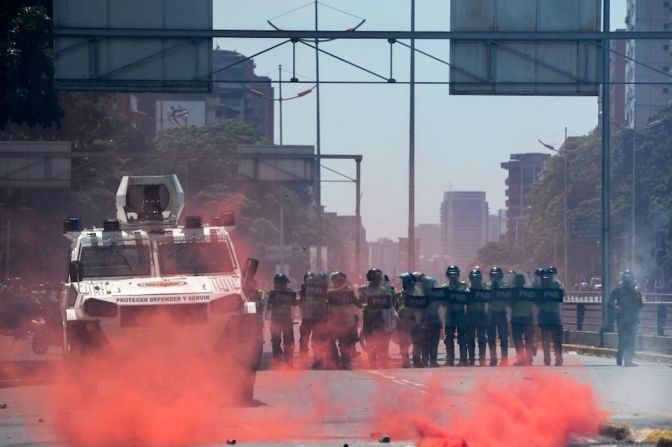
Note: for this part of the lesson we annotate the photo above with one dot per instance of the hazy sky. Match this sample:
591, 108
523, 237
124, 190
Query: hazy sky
460, 140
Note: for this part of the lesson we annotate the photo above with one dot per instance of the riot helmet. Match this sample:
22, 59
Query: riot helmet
419, 276
496, 273
408, 280
475, 276
453, 271
548, 272
322, 279
339, 279
309, 275
628, 278
280, 279
374, 275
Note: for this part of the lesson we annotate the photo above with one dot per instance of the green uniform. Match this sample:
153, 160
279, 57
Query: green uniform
550, 324
404, 326
498, 326
477, 319
522, 329
627, 302
379, 321
456, 327
282, 323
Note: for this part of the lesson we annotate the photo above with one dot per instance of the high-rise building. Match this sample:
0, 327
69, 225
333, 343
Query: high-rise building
524, 170
652, 93
346, 231
403, 254
493, 228
429, 236
237, 93
464, 225
384, 254
617, 76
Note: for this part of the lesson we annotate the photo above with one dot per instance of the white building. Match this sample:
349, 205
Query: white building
643, 101
464, 225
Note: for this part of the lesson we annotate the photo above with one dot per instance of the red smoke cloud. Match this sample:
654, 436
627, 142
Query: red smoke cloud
540, 410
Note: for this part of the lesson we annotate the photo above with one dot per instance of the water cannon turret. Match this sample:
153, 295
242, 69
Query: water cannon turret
151, 200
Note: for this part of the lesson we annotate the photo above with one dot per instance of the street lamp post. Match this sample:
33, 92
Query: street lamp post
565, 164
280, 100
634, 164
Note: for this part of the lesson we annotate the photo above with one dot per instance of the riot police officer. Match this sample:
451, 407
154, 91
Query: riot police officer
627, 302
378, 319
477, 320
522, 327
549, 318
432, 318
499, 326
281, 307
313, 307
342, 311
406, 321
456, 323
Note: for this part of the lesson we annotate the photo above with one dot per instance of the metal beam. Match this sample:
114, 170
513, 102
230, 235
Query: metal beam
606, 183
391, 34
178, 157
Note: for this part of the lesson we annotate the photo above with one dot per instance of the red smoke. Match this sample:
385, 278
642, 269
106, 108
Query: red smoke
540, 410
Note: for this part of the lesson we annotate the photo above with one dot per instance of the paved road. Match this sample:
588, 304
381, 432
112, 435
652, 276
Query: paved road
338, 407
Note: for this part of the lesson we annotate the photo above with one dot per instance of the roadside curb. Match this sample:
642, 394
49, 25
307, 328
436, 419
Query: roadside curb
609, 352
624, 433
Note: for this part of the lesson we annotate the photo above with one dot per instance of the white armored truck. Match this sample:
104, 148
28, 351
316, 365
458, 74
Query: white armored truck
143, 275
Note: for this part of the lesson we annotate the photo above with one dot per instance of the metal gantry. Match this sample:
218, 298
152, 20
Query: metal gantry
600, 38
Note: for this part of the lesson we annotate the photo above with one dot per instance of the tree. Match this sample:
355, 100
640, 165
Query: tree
653, 209
26, 80
210, 177
501, 254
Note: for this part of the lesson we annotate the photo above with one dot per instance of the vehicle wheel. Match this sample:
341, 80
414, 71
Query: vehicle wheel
39, 345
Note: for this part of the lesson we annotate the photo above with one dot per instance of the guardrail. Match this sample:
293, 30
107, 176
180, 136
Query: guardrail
582, 311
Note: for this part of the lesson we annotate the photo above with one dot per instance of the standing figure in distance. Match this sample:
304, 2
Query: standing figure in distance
342, 311
499, 326
455, 319
522, 327
627, 302
477, 320
378, 320
550, 318
281, 308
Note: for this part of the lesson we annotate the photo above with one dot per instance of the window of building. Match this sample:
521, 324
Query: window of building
666, 68
666, 4
666, 25
666, 47
666, 90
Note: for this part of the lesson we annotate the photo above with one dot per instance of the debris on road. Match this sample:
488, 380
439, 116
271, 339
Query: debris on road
619, 432
231, 442
3, 406
384, 440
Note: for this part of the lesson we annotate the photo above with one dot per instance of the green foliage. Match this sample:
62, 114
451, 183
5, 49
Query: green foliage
501, 254
653, 208
26, 89
212, 185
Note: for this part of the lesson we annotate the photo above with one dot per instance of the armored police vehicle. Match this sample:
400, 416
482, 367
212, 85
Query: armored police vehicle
143, 275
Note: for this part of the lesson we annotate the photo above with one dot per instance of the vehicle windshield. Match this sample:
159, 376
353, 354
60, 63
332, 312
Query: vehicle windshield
194, 258
99, 261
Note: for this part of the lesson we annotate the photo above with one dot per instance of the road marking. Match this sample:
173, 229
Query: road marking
399, 381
